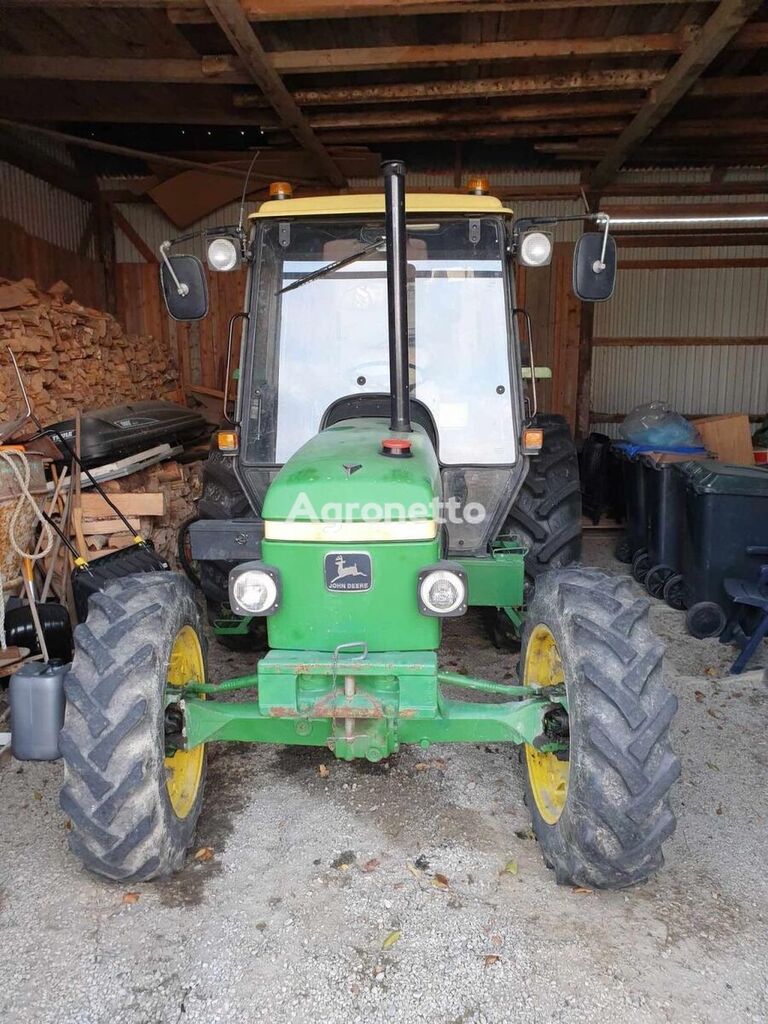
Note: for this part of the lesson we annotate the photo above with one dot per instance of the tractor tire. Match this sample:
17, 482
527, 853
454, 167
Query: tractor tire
127, 821
600, 806
547, 512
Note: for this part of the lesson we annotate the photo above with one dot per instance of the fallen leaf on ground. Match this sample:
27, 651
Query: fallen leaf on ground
37, 795
510, 868
131, 897
68, 824
525, 833
420, 766
391, 939
440, 881
205, 853
372, 864
491, 959
414, 871
582, 890
711, 671
323, 770
698, 695
712, 766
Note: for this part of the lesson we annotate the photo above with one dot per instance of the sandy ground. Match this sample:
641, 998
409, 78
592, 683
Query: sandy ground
311, 875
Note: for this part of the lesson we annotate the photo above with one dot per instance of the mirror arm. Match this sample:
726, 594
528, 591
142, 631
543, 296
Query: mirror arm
599, 265
181, 287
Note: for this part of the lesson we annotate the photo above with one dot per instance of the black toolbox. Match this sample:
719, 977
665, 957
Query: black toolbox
107, 435
726, 515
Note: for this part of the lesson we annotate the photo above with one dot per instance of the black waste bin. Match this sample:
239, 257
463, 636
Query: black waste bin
665, 499
634, 541
726, 514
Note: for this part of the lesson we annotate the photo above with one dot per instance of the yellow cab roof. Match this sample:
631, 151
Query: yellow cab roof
415, 202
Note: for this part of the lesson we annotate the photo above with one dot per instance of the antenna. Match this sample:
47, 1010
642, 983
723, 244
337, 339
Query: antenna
245, 192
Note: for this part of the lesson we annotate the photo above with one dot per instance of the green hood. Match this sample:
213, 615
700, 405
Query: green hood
316, 475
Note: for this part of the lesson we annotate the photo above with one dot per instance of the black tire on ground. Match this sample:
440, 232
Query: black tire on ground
623, 550
705, 619
616, 812
655, 579
123, 824
547, 511
674, 592
641, 563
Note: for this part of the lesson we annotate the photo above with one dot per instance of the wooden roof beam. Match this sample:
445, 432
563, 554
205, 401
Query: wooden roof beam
530, 130
234, 24
194, 11
716, 34
485, 88
227, 69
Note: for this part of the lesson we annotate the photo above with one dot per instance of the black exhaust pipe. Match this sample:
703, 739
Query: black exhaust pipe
397, 296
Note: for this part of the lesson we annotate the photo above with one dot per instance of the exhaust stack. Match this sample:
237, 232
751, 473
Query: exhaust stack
397, 283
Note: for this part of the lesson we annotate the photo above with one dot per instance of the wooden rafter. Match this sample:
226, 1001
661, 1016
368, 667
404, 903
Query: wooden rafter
226, 69
715, 35
518, 85
235, 26
194, 12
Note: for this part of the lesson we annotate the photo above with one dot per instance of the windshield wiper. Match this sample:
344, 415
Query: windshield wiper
379, 245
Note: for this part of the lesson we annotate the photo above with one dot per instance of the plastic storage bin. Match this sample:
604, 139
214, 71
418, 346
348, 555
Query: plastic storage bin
726, 514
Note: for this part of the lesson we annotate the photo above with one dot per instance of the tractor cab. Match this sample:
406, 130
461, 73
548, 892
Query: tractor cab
318, 352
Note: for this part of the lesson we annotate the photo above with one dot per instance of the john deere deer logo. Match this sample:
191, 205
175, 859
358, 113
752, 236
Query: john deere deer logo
348, 571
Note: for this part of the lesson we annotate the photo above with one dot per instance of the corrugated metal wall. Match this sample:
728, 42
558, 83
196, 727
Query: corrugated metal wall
41, 209
707, 302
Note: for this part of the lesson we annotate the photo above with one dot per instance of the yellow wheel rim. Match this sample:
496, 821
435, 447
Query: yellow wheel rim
547, 774
184, 770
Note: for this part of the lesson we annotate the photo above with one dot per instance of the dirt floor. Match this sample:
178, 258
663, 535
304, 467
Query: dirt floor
379, 893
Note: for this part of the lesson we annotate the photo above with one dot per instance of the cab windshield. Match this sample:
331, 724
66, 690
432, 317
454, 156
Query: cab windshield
328, 338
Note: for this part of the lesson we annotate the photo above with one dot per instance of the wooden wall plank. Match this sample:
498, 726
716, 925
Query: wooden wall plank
23, 255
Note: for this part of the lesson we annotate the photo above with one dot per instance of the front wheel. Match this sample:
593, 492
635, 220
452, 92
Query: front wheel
132, 797
599, 793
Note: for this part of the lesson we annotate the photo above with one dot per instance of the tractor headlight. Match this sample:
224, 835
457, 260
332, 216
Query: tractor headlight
535, 249
254, 589
442, 590
223, 254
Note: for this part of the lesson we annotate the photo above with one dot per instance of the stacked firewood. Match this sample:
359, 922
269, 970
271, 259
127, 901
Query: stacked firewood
72, 357
166, 493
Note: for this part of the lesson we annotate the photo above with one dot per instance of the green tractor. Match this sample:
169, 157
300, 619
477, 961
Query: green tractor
386, 468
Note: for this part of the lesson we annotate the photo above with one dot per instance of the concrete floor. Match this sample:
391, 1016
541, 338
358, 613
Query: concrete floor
312, 871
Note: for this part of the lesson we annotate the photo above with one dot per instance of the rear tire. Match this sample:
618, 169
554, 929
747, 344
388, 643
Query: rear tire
547, 512
612, 814
675, 593
656, 578
124, 823
622, 552
705, 619
641, 563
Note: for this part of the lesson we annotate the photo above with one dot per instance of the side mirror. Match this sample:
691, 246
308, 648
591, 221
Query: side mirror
185, 288
594, 274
